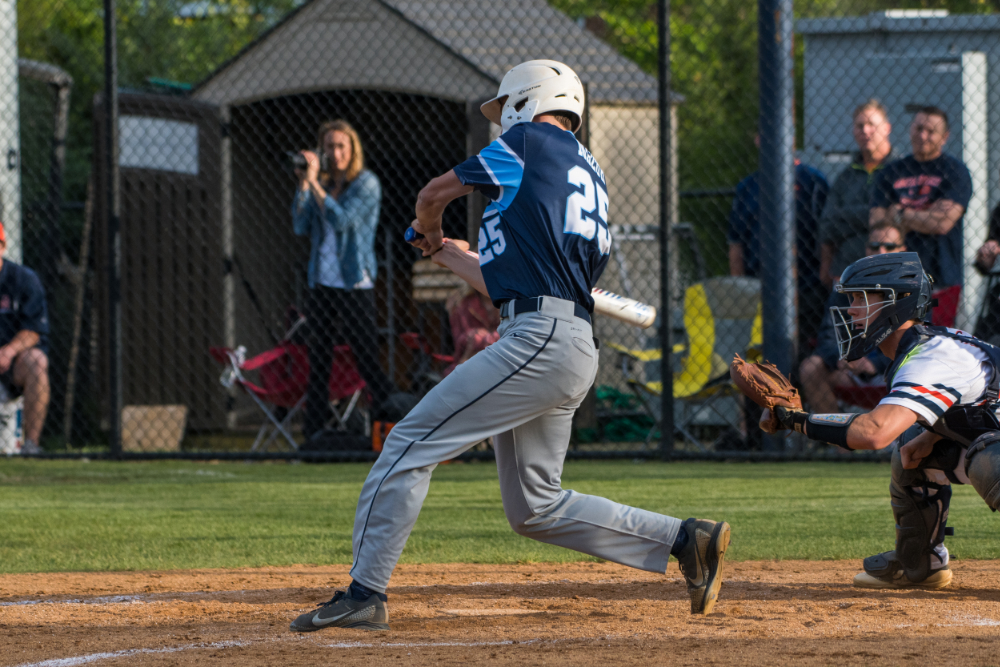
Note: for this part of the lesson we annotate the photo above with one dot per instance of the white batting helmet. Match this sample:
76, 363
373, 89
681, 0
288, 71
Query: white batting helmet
533, 88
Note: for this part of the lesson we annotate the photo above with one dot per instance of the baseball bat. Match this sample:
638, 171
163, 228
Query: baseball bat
607, 303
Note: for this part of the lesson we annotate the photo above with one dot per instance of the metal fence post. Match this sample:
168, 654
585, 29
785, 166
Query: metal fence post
666, 224
113, 207
777, 183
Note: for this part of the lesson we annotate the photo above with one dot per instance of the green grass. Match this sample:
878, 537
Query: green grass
70, 515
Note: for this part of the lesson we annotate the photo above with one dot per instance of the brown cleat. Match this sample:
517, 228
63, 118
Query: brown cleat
937, 579
701, 561
884, 570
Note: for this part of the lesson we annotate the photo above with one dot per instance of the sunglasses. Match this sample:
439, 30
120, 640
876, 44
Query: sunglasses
888, 246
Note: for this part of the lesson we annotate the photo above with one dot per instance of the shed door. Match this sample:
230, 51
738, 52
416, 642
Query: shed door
172, 254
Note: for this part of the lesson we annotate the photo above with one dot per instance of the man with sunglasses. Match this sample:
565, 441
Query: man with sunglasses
940, 412
824, 370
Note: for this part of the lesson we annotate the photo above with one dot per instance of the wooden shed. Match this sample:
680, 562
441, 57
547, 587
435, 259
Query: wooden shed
410, 76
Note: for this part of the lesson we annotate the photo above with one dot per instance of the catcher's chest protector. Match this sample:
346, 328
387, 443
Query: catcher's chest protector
961, 422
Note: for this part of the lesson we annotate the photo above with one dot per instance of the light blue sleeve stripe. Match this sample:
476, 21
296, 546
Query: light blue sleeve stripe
505, 169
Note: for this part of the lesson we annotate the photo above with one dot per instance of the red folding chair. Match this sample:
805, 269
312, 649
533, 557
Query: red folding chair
346, 385
283, 373
943, 314
428, 372
863, 396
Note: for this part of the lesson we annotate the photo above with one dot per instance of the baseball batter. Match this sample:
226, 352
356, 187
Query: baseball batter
941, 411
543, 243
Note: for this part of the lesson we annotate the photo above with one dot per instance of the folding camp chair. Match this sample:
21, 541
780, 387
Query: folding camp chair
283, 372
863, 396
346, 389
428, 371
943, 314
721, 318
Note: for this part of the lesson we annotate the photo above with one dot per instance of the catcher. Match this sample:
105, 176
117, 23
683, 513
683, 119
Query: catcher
940, 410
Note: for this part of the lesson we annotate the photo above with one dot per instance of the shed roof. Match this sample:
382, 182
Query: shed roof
900, 21
456, 49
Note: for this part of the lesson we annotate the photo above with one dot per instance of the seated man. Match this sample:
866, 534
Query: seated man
24, 342
940, 412
824, 370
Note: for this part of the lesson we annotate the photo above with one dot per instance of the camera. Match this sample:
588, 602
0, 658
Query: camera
298, 161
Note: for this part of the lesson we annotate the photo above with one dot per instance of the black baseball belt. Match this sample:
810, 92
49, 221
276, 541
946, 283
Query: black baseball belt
519, 306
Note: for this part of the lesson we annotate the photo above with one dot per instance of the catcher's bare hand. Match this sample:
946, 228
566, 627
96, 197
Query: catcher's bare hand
916, 450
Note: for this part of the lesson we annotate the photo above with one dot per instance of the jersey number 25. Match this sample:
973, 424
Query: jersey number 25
491, 240
580, 204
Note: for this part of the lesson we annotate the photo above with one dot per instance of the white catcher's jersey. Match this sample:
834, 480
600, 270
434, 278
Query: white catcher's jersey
937, 374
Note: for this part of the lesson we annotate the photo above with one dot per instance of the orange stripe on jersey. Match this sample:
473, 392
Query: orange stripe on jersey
936, 394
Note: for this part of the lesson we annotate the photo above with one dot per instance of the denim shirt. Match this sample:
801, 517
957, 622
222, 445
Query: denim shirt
353, 218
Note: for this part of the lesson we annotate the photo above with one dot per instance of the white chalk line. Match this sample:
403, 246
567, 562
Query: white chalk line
506, 642
110, 655
156, 598
495, 612
973, 621
109, 599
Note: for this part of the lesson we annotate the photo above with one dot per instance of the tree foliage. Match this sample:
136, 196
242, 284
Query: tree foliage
167, 39
713, 53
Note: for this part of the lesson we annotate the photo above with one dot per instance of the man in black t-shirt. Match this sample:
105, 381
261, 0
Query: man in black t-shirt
988, 325
24, 340
926, 194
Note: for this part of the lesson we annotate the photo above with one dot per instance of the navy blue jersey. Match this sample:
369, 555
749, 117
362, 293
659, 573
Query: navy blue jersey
545, 231
811, 189
22, 304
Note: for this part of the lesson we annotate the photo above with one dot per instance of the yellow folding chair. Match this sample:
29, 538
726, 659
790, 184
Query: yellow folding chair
721, 318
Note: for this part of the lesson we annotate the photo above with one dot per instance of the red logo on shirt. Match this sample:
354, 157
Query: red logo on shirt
4, 302
915, 191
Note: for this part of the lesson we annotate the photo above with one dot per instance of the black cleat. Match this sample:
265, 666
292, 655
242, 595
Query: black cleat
701, 561
345, 612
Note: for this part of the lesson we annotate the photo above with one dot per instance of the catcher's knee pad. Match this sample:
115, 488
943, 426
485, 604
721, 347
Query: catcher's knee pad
982, 467
920, 508
921, 512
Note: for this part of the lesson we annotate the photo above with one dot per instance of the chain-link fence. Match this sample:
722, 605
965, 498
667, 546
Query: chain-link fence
220, 246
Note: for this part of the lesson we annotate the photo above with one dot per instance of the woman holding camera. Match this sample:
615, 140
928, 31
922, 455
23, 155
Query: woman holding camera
337, 206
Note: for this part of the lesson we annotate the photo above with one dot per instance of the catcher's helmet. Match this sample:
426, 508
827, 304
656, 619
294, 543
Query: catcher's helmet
906, 295
532, 88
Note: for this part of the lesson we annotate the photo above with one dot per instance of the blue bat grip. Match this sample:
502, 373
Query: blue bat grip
411, 235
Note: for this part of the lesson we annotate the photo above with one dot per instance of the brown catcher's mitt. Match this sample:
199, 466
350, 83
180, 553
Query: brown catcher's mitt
766, 386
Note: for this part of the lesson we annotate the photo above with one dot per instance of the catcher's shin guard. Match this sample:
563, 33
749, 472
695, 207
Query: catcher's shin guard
920, 508
982, 467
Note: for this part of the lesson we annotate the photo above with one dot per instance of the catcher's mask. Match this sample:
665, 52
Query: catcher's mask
895, 289
535, 87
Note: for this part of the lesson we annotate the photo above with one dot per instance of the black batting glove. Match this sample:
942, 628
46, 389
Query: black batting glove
792, 420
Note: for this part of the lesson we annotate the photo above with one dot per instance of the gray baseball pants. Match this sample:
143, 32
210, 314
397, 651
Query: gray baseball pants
523, 390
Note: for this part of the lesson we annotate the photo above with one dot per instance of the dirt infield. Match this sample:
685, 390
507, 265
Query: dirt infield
790, 612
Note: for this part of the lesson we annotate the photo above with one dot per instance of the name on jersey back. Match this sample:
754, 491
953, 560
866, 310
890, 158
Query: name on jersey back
585, 154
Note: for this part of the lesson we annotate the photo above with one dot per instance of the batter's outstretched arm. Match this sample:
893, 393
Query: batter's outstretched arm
431, 202
463, 264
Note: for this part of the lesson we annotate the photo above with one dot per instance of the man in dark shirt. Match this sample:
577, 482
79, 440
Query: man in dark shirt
926, 194
988, 325
24, 344
746, 255
843, 229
